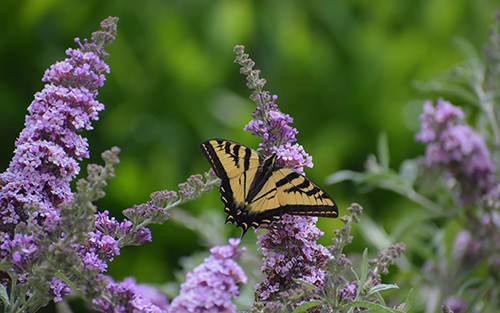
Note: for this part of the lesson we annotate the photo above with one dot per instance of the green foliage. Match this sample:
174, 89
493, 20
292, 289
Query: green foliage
457, 246
345, 70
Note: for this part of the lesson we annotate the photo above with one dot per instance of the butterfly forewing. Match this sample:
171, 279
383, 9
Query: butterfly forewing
299, 195
256, 190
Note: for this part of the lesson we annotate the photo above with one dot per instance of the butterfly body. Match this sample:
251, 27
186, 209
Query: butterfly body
257, 190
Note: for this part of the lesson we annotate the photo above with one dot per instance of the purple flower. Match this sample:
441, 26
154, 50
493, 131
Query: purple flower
82, 70
128, 297
349, 292
277, 136
269, 123
35, 189
109, 228
58, 288
290, 251
454, 146
22, 251
47, 150
212, 284
456, 304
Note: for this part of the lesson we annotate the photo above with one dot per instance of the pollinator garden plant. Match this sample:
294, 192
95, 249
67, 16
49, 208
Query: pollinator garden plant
55, 241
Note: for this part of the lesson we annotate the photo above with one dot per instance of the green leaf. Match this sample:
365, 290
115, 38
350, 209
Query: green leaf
364, 267
375, 307
307, 305
445, 88
66, 280
408, 302
343, 175
5, 298
313, 287
381, 300
408, 171
382, 287
383, 150
5, 266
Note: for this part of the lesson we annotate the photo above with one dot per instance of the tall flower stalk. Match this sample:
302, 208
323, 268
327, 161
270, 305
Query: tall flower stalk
290, 248
35, 194
212, 284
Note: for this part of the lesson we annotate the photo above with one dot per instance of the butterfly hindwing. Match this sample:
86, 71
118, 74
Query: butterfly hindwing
256, 190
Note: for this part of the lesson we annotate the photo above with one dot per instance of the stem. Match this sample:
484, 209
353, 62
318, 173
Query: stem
490, 112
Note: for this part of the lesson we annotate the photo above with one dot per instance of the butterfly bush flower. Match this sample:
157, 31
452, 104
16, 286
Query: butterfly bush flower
48, 149
455, 146
35, 189
290, 249
127, 296
269, 123
212, 284
299, 256
58, 288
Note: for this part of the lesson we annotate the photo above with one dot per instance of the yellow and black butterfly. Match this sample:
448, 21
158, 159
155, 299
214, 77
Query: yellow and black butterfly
256, 190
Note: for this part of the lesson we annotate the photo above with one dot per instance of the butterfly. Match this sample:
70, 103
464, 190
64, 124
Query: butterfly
257, 190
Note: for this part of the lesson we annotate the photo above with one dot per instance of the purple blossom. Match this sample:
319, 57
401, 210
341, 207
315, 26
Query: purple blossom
128, 297
22, 251
269, 123
456, 304
290, 251
92, 262
212, 284
82, 70
109, 228
103, 245
349, 292
454, 146
58, 288
277, 136
35, 189
47, 150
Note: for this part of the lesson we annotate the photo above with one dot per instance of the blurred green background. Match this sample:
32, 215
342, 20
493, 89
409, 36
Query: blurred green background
344, 70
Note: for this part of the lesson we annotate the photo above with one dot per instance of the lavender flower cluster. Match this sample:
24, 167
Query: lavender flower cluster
463, 155
456, 147
44, 224
127, 296
290, 248
269, 123
37, 182
212, 284
299, 256
45, 159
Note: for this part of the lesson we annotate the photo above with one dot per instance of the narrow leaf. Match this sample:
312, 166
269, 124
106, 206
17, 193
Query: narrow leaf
343, 175
383, 150
382, 287
364, 267
5, 266
5, 298
307, 305
66, 280
313, 287
408, 302
375, 307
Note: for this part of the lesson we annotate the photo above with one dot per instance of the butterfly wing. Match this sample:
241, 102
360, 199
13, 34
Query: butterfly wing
287, 191
256, 190
236, 165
